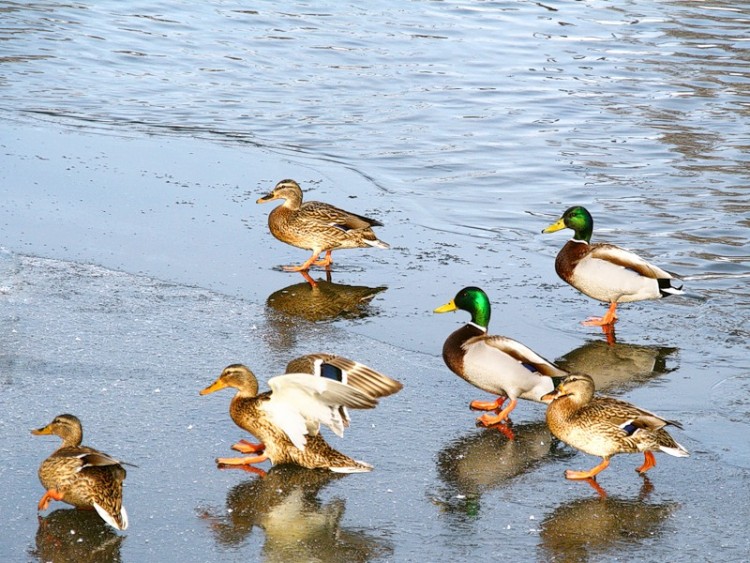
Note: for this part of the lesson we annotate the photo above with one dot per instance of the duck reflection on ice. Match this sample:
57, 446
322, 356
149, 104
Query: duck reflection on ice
597, 528
322, 300
481, 461
296, 524
69, 534
618, 367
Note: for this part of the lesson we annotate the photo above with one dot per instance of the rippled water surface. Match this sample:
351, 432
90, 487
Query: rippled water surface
135, 138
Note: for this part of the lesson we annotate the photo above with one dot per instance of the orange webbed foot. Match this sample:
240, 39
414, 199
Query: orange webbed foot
491, 420
51, 494
608, 319
590, 474
487, 405
245, 447
648, 462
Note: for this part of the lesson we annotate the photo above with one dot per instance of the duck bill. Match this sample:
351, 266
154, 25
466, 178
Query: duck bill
42, 431
558, 225
551, 396
448, 307
265, 198
215, 386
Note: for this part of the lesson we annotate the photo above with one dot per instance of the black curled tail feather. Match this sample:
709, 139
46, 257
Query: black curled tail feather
666, 288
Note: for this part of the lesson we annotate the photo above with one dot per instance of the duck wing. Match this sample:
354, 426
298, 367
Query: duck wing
332, 216
626, 259
299, 404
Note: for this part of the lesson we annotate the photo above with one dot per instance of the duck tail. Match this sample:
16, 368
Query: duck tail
666, 288
355, 467
377, 243
117, 521
678, 451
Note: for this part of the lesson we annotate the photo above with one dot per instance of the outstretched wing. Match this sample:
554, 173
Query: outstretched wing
299, 404
344, 370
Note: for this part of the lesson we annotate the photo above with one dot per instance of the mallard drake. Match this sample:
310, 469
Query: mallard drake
287, 418
496, 364
82, 476
604, 426
606, 272
317, 226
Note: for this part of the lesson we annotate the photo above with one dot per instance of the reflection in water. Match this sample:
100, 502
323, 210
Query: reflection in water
593, 528
617, 367
487, 459
69, 534
322, 300
297, 525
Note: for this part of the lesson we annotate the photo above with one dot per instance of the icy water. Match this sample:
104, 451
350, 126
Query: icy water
134, 140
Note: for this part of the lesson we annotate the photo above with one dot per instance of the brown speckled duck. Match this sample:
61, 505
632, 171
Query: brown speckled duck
82, 476
604, 426
317, 226
606, 272
287, 418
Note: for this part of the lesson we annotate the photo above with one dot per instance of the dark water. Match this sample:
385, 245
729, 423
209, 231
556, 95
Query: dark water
135, 139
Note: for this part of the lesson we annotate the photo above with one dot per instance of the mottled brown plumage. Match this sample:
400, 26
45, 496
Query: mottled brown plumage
604, 426
82, 476
287, 419
316, 226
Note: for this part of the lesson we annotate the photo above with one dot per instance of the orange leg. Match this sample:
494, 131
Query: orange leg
245, 447
609, 318
487, 405
303, 267
241, 460
594, 485
648, 462
590, 474
505, 430
490, 420
52, 494
325, 262
609, 334
309, 279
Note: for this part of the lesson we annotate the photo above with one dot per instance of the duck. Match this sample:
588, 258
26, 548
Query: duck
605, 426
287, 418
81, 476
341, 369
496, 364
606, 272
317, 226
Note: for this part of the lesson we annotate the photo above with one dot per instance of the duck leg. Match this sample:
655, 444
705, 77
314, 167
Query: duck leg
245, 447
490, 420
51, 494
609, 318
488, 405
590, 474
303, 267
648, 463
325, 262
249, 460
